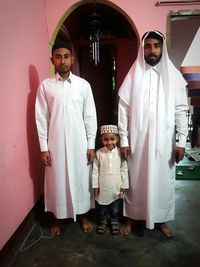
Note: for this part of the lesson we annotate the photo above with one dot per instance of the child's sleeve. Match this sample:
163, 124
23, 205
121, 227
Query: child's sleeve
124, 175
95, 172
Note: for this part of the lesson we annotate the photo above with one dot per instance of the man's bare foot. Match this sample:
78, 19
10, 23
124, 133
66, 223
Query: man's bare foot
165, 230
126, 228
86, 224
55, 227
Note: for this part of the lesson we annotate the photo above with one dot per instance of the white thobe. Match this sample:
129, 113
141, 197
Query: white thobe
66, 124
110, 174
151, 196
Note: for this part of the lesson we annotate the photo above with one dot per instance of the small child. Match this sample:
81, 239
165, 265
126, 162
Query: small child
109, 179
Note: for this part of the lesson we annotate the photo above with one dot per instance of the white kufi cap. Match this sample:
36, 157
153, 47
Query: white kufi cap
109, 129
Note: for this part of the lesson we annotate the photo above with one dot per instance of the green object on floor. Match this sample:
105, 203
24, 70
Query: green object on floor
191, 172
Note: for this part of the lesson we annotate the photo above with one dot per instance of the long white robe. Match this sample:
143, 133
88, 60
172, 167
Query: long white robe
66, 124
147, 125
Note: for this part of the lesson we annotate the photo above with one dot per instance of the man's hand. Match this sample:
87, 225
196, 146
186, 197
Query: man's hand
179, 153
90, 156
124, 152
46, 158
96, 191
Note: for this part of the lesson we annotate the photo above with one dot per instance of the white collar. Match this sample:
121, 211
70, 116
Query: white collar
59, 78
157, 67
105, 150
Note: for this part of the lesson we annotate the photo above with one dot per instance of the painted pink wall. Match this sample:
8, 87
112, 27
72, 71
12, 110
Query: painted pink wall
24, 62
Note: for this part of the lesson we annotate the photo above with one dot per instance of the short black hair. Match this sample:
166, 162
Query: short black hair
61, 44
155, 35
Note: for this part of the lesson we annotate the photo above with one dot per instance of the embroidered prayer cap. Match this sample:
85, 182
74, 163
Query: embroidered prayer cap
110, 128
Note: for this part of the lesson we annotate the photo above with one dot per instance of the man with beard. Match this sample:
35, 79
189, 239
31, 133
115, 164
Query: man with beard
66, 124
152, 102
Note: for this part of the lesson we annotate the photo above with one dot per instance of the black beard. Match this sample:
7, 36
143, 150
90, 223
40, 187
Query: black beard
153, 61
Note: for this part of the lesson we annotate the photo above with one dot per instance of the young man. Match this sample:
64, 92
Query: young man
66, 124
152, 102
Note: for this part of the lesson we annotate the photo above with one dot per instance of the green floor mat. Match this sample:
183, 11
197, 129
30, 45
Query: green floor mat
191, 172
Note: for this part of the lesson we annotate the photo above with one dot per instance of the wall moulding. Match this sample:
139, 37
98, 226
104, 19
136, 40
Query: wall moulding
176, 3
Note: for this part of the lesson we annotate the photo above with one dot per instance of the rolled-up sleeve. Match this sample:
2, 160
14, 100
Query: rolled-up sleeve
95, 174
124, 175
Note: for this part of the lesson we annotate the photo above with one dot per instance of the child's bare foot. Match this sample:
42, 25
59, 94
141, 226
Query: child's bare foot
126, 228
55, 227
165, 230
86, 224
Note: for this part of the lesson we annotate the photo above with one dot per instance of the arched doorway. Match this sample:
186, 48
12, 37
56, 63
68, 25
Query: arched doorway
118, 45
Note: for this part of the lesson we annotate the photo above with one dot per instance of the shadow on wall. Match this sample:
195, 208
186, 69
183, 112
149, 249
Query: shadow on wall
36, 169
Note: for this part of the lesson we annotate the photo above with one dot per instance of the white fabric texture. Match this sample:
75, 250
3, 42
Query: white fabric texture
152, 101
110, 174
66, 124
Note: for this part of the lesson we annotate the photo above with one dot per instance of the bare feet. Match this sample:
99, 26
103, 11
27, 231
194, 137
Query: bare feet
86, 224
55, 227
126, 228
165, 230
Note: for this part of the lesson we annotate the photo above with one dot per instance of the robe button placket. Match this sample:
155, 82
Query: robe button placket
64, 93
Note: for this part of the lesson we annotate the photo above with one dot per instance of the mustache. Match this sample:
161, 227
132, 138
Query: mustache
152, 55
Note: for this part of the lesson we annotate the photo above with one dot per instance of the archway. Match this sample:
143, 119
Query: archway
118, 45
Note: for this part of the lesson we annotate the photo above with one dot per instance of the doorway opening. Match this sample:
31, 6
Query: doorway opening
179, 43
118, 46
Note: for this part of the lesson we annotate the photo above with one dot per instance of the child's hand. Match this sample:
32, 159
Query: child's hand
121, 193
96, 191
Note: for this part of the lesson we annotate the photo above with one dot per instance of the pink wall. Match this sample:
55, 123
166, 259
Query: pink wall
24, 62
27, 28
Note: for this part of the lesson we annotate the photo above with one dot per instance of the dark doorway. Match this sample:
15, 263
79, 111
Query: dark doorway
102, 79
103, 82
